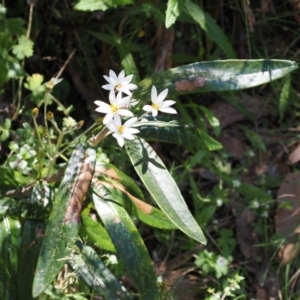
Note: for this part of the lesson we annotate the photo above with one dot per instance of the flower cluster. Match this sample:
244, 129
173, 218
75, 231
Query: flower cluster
119, 104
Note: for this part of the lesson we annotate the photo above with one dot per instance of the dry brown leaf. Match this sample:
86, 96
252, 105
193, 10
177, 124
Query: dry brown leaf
294, 156
232, 145
228, 115
287, 253
287, 220
246, 236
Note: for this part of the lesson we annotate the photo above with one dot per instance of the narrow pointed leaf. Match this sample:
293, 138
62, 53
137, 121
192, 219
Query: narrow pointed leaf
97, 276
209, 25
33, 233
220, 75
143, 211
10, 235
64, 221
129, 245
178, 133
162, 187
94, 233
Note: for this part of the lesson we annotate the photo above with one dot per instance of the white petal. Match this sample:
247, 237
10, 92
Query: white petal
100, 103
124, 101
127, 79
168, 110
112, 97
117, 120
108, 87
131, 86
162, 96
104, 110
154, 112
124, 90
121, 75
125, 112
147, 108
119, 138
130, 122
128, 136
132, 131
113, 75
153, 94
108, 79
167, 103
107, 118
111, 126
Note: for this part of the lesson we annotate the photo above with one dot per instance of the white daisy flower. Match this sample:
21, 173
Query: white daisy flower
121, 132
119, 83
159, 104
115, 108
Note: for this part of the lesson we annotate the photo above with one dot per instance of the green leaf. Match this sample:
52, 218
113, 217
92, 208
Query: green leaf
143, 211
64, 221
95, 233
126, 57
97, 276
24, 48
13, 26
173, 11
222, 75
92, 5
8, 289
176, 132
208, 24
213, 121
10, 235
33, 232
17, 208
162, 187
284, 96
129, 245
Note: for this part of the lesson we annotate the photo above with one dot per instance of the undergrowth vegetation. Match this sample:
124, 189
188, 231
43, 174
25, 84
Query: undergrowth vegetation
143, 197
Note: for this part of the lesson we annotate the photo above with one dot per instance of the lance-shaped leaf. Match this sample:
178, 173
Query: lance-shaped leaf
220, 75
162, 187
129, 245
64, 221
178, 133
94, 233
87, 263
143, 211
10, 234
33, 232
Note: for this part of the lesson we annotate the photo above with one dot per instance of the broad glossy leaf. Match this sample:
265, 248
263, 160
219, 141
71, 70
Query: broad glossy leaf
176, 132
97, 276
64, 221
117, 175
95, 233
143, 211
129, 245
33, 233
208, 24
162, 187
10, 236
220, 75
23, 209
284, 96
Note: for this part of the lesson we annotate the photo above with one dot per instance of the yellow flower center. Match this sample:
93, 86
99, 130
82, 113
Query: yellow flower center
155, 106
121, 129
117, 86
114, 108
